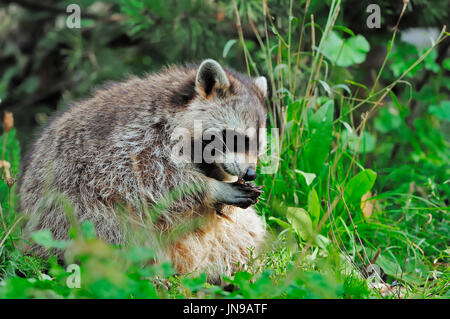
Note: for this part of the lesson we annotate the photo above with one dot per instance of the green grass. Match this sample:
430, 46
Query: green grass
336, 141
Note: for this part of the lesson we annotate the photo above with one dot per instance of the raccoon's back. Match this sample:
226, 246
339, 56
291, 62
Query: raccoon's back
91, 142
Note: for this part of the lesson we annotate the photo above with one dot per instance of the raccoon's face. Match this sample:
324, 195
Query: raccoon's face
229, 110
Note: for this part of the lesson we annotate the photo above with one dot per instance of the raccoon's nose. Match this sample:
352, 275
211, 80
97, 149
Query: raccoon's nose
250, 175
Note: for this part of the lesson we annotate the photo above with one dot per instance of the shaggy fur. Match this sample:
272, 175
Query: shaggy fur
113, 150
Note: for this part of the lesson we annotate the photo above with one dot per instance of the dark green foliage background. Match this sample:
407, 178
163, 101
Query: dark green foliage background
403, 159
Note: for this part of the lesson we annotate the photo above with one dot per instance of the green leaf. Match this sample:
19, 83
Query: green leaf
387, 120
446, 64
227, 47
365, 145
442, 111
430, 61
280, 222
194, 283
358, 185
322, 241
45, 239
29, 86
344, 29
402, 58
357, 84
309, 177
326, 87
344, 87
88, 229
12, 155
414, 271
139, 254
300, 221
314, 206
279, 68
320, 128
5, 80
346, 52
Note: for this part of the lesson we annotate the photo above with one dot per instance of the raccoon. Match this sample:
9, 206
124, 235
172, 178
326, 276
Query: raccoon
115, 150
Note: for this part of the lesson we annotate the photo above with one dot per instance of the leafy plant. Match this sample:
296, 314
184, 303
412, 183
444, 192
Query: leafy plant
362, 165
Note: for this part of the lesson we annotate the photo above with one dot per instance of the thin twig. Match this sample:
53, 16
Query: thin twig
241, 35
3, 218
10, 230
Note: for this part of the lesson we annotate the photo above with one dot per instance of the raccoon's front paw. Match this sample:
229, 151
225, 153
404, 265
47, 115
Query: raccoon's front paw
244, 194
237, 194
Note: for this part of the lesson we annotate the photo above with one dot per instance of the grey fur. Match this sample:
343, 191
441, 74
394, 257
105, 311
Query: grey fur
113, 150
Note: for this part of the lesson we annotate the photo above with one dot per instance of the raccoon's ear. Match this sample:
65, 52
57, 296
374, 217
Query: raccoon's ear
261, 84
210, 75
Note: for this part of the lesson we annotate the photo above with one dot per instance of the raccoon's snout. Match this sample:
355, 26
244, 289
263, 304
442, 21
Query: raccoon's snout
250, 175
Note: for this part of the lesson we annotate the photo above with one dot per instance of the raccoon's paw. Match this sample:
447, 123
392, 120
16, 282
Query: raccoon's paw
236, 194
244, 194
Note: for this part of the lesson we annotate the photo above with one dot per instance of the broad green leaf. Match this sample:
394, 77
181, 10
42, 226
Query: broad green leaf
430, 63
88, 229
322, 241
446, 64
389, 266
442, 111
45, 239
320, 127
403, 56
358, 185
139, 254
346, 52
195, 283
300, 221
387, 121
400, 107
365, 145
413, 272
314, 206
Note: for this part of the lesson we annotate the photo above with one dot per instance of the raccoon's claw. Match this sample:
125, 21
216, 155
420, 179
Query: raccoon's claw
236, 194
248, 194
250, 187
